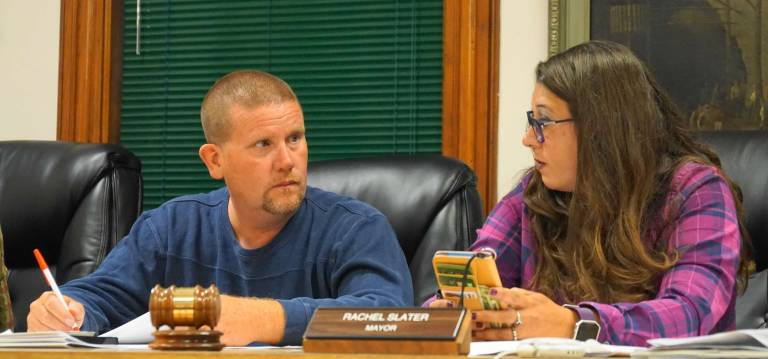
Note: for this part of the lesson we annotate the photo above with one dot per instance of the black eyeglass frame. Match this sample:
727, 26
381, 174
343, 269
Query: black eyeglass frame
538, 125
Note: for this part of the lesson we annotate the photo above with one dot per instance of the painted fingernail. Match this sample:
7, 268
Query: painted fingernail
493, 291
449, 304
474, 316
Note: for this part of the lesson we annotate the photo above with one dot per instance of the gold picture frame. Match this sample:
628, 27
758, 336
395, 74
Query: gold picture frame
568, 24
708, 54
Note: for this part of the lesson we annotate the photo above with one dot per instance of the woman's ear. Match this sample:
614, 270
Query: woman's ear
210, 154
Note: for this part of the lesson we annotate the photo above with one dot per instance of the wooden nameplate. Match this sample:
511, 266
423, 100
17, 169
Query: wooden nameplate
389, 331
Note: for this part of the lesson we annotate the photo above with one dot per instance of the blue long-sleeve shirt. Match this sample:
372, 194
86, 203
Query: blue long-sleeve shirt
334, 251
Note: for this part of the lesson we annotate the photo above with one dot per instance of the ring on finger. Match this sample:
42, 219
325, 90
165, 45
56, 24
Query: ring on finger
516, 324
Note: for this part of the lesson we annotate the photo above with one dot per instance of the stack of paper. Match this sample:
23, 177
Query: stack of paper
132, 335
46, 340
751, 343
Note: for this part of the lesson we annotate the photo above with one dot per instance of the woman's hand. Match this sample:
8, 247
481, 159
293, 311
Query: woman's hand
539, 315
441, 303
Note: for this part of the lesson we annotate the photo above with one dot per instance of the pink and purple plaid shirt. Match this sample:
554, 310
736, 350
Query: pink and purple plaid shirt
696, 295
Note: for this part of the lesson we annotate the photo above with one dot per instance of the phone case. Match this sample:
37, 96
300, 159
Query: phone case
449, 269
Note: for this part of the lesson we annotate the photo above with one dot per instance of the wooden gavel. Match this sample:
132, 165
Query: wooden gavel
190, 307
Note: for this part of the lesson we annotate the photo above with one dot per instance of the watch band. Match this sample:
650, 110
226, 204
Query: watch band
587, 327
584, 313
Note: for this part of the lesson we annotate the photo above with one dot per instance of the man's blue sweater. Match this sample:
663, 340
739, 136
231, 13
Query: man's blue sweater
335, 251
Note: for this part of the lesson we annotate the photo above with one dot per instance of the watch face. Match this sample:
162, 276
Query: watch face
587, 329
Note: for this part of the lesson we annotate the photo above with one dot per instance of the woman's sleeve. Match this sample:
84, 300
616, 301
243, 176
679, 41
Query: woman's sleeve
6, 310
502, 233
696, 294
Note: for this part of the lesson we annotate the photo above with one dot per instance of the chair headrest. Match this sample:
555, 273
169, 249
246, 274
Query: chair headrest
409, 190
744, 157
41, 185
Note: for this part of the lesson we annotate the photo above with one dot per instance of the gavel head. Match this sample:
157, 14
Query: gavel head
191, 307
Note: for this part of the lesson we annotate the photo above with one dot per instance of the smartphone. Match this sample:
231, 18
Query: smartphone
481, 275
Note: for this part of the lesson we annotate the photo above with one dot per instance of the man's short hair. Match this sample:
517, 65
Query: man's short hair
247, 88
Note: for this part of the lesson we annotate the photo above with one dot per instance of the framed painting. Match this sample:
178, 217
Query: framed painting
710, 55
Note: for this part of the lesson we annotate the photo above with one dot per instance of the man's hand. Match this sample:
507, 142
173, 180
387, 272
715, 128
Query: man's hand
247, 320
46, 313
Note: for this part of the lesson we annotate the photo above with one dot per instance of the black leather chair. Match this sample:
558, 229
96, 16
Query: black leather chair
72, 201
744, 156
431, 201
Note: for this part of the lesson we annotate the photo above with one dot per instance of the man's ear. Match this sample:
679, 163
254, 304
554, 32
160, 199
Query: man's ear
211, 156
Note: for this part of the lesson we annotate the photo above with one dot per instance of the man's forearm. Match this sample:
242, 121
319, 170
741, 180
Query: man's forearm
247, 320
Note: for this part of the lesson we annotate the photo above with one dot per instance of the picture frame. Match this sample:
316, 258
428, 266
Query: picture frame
710, 55
568, 24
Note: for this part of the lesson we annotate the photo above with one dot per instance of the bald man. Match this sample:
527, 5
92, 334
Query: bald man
276, 248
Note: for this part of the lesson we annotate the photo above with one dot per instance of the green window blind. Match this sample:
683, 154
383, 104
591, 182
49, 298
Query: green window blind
367, 72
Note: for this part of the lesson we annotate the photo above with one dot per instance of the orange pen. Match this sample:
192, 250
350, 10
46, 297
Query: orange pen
49, 278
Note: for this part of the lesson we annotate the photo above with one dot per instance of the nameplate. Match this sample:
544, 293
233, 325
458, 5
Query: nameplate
389, 331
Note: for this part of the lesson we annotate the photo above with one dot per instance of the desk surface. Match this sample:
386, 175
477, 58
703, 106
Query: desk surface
153, 354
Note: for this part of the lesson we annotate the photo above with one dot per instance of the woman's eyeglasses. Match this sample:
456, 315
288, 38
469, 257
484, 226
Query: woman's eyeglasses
538, 125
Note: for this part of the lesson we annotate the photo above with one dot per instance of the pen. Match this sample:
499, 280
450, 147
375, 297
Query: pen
49, 278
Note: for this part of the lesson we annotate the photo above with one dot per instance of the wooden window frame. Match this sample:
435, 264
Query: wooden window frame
90, 69
471, 88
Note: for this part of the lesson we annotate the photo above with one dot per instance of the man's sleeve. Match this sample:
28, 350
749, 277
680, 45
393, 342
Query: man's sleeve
118, 291
368, 269
697, 291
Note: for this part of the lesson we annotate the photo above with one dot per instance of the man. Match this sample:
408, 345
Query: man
276, 248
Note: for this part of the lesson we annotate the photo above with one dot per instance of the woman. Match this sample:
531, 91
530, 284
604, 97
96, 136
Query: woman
625, 217
6, 313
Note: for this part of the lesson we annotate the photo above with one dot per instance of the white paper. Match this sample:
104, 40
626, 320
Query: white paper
550, 347
755, 339
45, 340
699, 354
137, 331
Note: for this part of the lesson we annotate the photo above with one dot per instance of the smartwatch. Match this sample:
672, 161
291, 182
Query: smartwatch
587, 326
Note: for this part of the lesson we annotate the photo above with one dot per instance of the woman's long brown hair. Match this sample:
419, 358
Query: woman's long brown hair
631, 139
